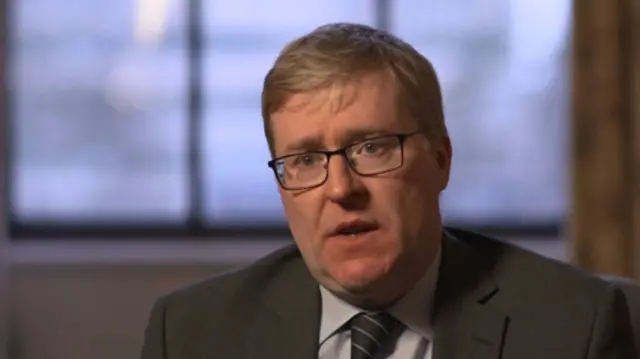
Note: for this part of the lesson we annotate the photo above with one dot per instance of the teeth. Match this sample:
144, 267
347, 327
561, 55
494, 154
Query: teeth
353, 232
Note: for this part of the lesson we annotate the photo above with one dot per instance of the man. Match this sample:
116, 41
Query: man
354, 121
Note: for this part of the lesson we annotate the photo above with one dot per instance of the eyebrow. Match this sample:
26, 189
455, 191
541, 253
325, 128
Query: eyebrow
315, 143
360, 134
306, 144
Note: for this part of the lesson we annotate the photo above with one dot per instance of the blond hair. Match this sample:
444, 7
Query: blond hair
337, 53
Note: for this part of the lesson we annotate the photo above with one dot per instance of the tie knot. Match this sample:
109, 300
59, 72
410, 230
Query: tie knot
368, 332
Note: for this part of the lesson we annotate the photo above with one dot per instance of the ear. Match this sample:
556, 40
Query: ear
444, 154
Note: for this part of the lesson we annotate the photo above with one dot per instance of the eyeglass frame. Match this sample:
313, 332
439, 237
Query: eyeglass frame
401, 137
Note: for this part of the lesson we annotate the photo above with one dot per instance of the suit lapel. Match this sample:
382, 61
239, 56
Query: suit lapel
466, 323
289, 328
286, 324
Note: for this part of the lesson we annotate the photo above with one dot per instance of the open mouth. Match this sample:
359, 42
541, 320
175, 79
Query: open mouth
355, 228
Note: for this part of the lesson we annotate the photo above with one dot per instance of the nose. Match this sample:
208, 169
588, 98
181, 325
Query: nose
343, 185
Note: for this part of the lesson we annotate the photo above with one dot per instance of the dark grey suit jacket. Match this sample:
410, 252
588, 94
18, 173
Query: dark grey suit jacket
493, 301
631, 290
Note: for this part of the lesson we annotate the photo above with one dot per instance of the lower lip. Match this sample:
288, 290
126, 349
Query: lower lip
356, 236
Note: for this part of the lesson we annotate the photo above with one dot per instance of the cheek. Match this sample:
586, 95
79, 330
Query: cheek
302, 217
405, 201
295, 215
424, 179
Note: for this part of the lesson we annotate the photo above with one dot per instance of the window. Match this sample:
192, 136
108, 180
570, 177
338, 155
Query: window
147, 113
98, 114
504, 87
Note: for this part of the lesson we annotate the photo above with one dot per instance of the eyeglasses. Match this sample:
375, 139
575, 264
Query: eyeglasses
369, 157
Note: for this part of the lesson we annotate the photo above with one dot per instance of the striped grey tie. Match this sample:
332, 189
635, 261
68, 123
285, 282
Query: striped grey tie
368, 333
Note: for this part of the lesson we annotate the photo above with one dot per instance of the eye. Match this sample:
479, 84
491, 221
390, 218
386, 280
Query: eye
306, 160
371, 147
374, 147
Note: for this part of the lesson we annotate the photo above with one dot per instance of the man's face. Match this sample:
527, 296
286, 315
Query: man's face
398, 209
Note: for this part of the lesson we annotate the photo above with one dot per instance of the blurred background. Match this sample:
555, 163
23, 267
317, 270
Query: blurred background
135, 163
145, 113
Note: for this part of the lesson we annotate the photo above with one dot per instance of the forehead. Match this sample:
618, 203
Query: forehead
333, 116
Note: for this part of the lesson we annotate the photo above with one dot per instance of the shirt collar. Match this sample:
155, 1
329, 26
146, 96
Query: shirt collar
414, 309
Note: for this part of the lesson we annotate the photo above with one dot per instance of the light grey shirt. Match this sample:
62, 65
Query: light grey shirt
413, 310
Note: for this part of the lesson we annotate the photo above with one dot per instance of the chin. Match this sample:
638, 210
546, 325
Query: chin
359, 275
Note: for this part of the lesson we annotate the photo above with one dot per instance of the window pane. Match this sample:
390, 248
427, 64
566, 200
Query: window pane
505, 90
241, 46
99, 111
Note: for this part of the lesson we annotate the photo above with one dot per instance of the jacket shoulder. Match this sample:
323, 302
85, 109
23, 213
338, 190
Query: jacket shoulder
528, 269
233, 284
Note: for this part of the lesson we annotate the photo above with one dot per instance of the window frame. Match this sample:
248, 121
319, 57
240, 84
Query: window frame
195, 227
